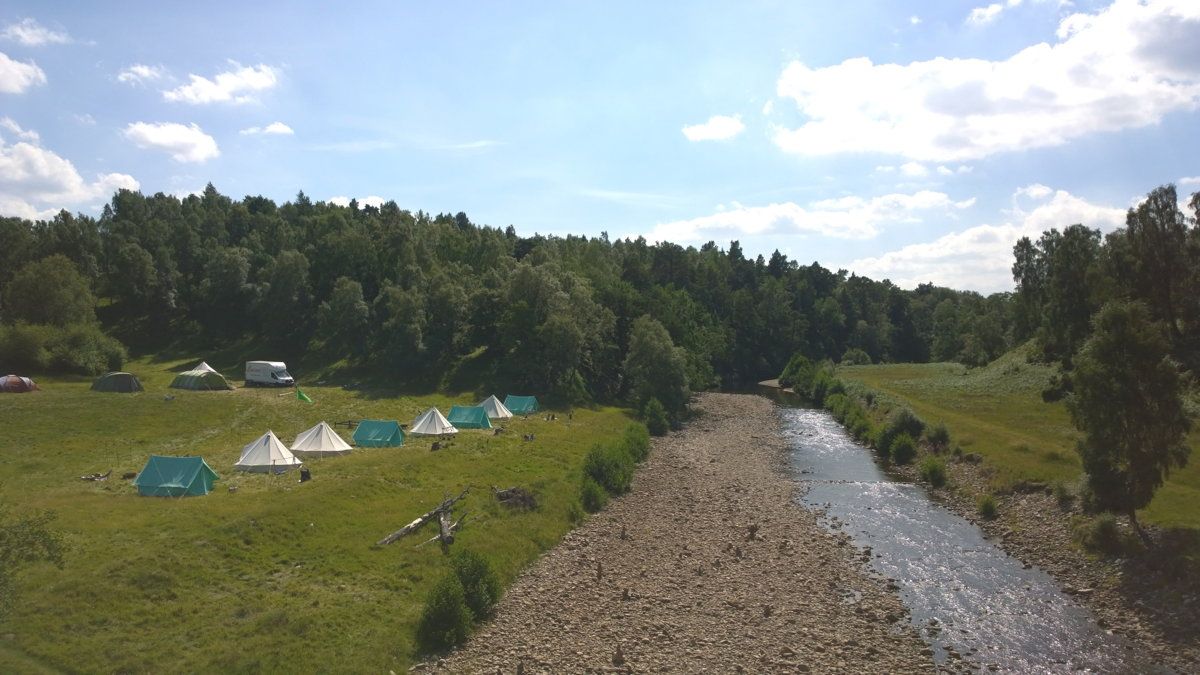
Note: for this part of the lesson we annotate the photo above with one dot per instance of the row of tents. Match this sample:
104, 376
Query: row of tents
202, 377
182, 476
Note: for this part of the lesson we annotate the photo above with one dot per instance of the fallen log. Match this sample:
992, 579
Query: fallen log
437, 536
415, 525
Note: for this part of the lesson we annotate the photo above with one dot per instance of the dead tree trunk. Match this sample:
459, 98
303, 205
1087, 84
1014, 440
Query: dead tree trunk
441, 512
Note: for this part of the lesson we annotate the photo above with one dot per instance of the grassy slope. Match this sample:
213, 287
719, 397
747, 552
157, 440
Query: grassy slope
275, 574
998, 413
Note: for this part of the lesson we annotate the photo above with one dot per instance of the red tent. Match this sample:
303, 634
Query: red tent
15, 384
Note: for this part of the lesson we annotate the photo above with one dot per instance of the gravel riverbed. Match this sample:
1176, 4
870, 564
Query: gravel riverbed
707, 565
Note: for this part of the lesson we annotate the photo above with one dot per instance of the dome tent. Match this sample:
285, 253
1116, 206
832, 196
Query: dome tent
15, 384
200, 380
116, 382
265, 454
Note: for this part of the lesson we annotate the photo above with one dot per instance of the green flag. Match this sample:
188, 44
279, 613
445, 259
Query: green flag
301, 396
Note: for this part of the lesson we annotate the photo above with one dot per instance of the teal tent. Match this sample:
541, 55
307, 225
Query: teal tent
120, 383
521, 405
378, 434
203, 380
469, 417
175, 477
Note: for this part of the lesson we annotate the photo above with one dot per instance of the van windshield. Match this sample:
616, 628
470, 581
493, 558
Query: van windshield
281, 375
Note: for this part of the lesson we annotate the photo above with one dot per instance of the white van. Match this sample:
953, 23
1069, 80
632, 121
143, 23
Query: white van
268, 374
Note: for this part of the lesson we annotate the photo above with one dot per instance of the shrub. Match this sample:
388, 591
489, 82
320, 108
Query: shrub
655, 416
611, 467
987, 506
938, 437
933, 470
821, 384
637, 441
1062, 494
592, 496
575, 511
856, 357
445, 619
23, 348
836, 404
1101, 535
481, 587
861, 429
797, 373
903, 449
81, 349
904, 422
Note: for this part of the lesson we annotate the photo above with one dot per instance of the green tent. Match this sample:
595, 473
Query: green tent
469, 417
203, 380
378, 434
121, 383
521, 405
175, 477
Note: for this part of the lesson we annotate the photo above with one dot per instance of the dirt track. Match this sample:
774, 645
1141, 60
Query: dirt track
690, 588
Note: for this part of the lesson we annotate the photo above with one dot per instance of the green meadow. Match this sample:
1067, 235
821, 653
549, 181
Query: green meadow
274, 574
997, 412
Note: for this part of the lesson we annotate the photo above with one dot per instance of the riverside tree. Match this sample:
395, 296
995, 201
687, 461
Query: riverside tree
655, 367
1127, 405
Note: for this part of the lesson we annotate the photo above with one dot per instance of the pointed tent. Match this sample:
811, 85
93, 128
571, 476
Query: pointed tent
202, 380
121, 383
204, 367
432, 423
175, 477
495, 409
266, 454
469, 417
320, 441
15, 384
521, 405
378, 434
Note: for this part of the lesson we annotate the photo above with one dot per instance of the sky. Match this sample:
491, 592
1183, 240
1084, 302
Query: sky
913, 141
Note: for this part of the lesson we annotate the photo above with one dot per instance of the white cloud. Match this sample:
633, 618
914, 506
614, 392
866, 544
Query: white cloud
140, 73
234, 86
885, 168
914, 170
85, 119
371, 200
481, 144
980, 258
17, 76
274, 128
185, 143
33, 34
1126, 66
717, 128
768, 108
985, 15
1190, 180
36, 183
842, 218
914, 20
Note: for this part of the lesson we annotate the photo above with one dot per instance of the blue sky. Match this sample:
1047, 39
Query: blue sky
911, 141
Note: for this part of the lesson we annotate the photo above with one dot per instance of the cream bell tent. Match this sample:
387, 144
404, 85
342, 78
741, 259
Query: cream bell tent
432, 423
495, 409
320, 441
266, 454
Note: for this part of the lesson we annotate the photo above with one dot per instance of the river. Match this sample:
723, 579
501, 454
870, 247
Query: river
970, 600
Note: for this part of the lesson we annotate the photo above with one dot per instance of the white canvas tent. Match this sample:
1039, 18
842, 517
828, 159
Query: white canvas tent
432, 423
320, 441
266, 454
495, 409
204, 367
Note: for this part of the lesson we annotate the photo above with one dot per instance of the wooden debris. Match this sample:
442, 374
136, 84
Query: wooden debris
95, 477
516, 497
439, 511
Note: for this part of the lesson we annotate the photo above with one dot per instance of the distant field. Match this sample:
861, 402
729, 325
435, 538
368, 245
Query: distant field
998, 413
276, 576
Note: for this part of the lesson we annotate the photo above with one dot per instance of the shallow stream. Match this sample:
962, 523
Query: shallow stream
967, 597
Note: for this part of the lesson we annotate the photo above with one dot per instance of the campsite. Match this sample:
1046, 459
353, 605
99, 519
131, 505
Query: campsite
252, 579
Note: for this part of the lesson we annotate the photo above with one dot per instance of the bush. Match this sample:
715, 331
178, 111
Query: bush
903, 422
575, 513
798, 373
82, 349
856, 357
445, 619
861, 429
987, 506
821, 384
933, 470
592, 496
1101, 535
655, 416
938, 437
636, 442
837, 404
903, 449
481, 587
23, 348
611, 467
1062, 494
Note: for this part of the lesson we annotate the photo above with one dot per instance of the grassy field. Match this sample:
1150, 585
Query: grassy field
276, 575
997, 412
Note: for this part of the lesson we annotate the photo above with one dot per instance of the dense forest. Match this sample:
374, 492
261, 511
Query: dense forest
411, 293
